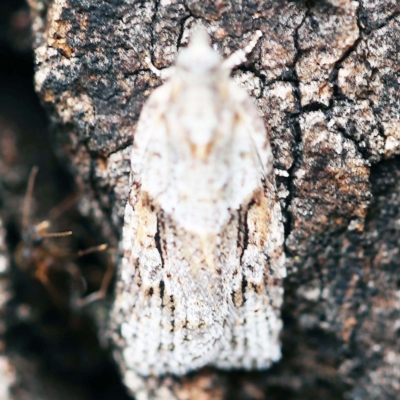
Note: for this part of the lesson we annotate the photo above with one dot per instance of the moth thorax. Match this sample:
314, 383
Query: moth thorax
201, 143
198, 57
201, 130
200, 122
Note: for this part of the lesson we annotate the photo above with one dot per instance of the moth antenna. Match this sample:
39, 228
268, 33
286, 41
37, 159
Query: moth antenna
93, 249
240, 56
164, 73
57, 234
63, 206
28, 198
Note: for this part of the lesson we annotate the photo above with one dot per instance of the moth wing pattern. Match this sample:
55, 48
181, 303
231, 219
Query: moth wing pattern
185, 300
254, 338
154, 301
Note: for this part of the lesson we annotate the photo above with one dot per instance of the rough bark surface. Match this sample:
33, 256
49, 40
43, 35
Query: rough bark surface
326, 78
7, 372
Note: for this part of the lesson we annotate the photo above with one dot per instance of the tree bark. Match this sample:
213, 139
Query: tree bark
326, 78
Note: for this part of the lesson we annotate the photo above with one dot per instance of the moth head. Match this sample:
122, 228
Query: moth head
198, 57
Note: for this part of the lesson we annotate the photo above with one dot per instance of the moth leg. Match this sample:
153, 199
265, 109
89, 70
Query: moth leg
163, 74
28, 198
105, 282
240, 56
41, 275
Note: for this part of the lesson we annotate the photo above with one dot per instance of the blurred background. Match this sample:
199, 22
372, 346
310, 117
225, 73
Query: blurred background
50, 347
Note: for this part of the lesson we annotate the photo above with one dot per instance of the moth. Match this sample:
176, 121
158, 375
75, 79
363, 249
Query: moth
34, 255
51, 265
200, 279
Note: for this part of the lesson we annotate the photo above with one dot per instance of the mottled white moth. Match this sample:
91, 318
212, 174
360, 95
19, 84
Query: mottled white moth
200, 281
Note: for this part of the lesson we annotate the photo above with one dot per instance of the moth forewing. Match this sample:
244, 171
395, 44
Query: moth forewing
200, 281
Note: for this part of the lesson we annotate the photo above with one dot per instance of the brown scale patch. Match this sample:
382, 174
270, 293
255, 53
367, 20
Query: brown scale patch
147, 226
258, 289
237, 298
259, 212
